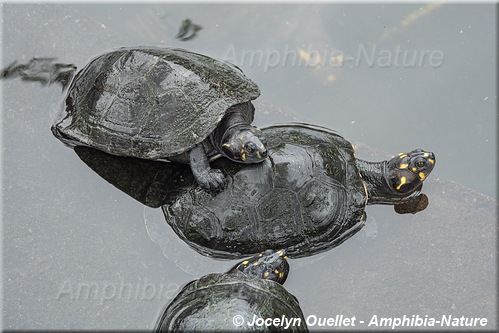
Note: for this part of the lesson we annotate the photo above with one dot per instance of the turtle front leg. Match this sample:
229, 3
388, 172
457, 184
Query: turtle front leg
211, 180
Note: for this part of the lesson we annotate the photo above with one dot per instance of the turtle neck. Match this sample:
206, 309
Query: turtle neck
237, 117
373, 174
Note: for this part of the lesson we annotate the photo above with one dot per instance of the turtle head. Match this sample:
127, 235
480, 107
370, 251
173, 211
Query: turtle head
268, 265
244, 144
407, 171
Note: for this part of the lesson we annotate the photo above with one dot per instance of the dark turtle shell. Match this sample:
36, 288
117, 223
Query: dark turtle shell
306, 198
213, 301
150, 102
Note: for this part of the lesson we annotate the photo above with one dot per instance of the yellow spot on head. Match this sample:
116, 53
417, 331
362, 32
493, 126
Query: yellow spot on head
228, 145
403, 165
255, 263
402, 182
285, 257
414, 169
260, 255
280, 253
402, 155
243, 155
281, 275
258, 154
245, 262
426, 155
276, 271
266, 274
431, 160
422, 176
242, 137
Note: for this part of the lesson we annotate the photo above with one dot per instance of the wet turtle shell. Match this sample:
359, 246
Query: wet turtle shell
151, 102
307, 197
230, 301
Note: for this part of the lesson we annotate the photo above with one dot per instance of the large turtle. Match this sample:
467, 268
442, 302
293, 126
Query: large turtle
160, 103
308, 196
233, 300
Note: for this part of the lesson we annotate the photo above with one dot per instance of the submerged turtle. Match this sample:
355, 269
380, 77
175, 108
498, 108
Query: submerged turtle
308, 196
159, 103
230, 301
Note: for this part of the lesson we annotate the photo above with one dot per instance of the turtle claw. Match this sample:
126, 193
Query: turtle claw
213, 181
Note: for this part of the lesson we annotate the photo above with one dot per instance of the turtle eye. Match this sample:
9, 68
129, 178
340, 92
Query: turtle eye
420, 164
250, 148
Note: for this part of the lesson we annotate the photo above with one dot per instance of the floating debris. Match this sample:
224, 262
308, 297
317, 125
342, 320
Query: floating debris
188, 30
41, 70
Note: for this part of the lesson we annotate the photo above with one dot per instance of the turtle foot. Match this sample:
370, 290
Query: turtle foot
212, 181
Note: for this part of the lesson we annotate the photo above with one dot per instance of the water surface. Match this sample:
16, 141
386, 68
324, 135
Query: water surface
78, 253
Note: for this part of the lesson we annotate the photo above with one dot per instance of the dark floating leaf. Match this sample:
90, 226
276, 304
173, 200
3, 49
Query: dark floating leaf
41, 70
188, 30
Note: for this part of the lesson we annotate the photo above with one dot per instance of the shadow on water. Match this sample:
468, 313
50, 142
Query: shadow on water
441, 261
152, 183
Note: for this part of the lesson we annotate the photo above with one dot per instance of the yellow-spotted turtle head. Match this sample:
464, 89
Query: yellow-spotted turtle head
407, 171
268, 265
399, 180
244, 144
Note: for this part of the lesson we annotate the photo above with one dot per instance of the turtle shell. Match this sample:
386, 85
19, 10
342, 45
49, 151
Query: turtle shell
212, 302
307, 197
150, 102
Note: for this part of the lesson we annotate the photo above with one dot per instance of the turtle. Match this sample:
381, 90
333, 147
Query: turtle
164, 104
309, 195
239, 299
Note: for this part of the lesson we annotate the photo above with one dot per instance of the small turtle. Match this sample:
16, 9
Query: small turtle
160, 103
308, 196
231, 301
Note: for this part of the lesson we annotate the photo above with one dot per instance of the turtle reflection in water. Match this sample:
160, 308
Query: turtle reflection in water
230, 301
157, 103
